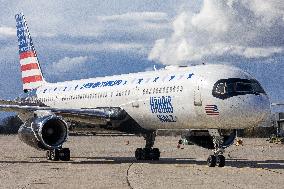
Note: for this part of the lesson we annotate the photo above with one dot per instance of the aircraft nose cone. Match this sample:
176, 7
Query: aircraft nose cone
248, 111
264, 109
258, 109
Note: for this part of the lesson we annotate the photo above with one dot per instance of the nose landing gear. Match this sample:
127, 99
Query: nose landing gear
148, 153
217, 158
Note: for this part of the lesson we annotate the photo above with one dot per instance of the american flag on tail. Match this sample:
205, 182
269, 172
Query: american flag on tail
211, 110
31, 73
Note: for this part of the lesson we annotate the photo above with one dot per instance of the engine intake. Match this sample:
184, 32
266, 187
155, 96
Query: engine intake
48, 132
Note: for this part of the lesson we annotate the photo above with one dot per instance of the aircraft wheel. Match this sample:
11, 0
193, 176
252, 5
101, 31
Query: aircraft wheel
138, 154
155, 154
54, 155
221, 161
146, 155
211, 161
64, 154
48, 155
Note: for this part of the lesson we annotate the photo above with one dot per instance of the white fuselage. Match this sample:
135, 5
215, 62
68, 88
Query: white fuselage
172, 98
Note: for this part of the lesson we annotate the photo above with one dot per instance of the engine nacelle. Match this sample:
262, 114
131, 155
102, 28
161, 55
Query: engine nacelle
47, 132
204, 139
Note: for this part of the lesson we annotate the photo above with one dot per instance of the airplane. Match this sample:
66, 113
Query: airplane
207, 102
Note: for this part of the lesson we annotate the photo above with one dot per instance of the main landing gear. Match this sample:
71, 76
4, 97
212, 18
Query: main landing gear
217, 158
62, 154
148, 153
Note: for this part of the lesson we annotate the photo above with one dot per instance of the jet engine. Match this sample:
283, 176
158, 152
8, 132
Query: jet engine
45, 133
204, 139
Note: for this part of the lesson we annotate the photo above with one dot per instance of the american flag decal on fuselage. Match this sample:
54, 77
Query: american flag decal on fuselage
211, 110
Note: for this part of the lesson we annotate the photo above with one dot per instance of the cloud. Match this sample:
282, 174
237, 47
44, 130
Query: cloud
104, 47
67, 64
136, 24
136, 16
62, 23
7, 31
261, 52
224, 29
132, 31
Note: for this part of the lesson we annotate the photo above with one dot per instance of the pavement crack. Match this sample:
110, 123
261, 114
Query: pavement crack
127, 176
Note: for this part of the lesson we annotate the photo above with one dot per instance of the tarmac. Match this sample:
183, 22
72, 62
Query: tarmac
108, 162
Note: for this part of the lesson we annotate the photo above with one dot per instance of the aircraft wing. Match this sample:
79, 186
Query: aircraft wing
95, 115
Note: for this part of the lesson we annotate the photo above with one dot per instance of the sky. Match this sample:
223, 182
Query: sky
88, 38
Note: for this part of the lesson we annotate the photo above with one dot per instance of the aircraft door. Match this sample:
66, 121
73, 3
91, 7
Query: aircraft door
198, 94
197, 104
135, 103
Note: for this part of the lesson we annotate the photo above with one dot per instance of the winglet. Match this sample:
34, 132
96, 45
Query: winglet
31, 73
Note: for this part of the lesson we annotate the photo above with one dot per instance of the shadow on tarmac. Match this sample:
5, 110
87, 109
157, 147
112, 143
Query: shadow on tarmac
236, 163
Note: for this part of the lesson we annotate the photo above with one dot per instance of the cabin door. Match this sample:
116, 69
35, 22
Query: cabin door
198, 94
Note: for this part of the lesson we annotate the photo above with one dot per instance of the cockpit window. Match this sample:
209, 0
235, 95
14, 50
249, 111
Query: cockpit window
243, 87
220, 88
257, 87
226, 88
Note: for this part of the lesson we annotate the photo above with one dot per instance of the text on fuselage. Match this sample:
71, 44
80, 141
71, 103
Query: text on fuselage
162, 107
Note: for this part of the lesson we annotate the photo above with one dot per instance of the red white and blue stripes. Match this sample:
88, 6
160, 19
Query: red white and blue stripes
211, 110
31, 74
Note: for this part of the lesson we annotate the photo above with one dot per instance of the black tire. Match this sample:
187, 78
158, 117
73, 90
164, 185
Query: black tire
211, 161
155, 154
221, 161
146, 155
48, 157
64, 154
54, 155
138, 154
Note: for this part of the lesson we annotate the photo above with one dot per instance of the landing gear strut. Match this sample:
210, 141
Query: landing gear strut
58, 154
217, 158
148, 153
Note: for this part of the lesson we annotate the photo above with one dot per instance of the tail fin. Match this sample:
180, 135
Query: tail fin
31, 73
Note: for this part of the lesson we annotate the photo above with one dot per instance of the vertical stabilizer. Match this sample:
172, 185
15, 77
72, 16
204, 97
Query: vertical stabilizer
31, 73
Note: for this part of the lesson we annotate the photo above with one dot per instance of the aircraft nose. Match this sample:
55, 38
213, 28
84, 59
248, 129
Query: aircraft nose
249, 111
258, 109
264, 108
